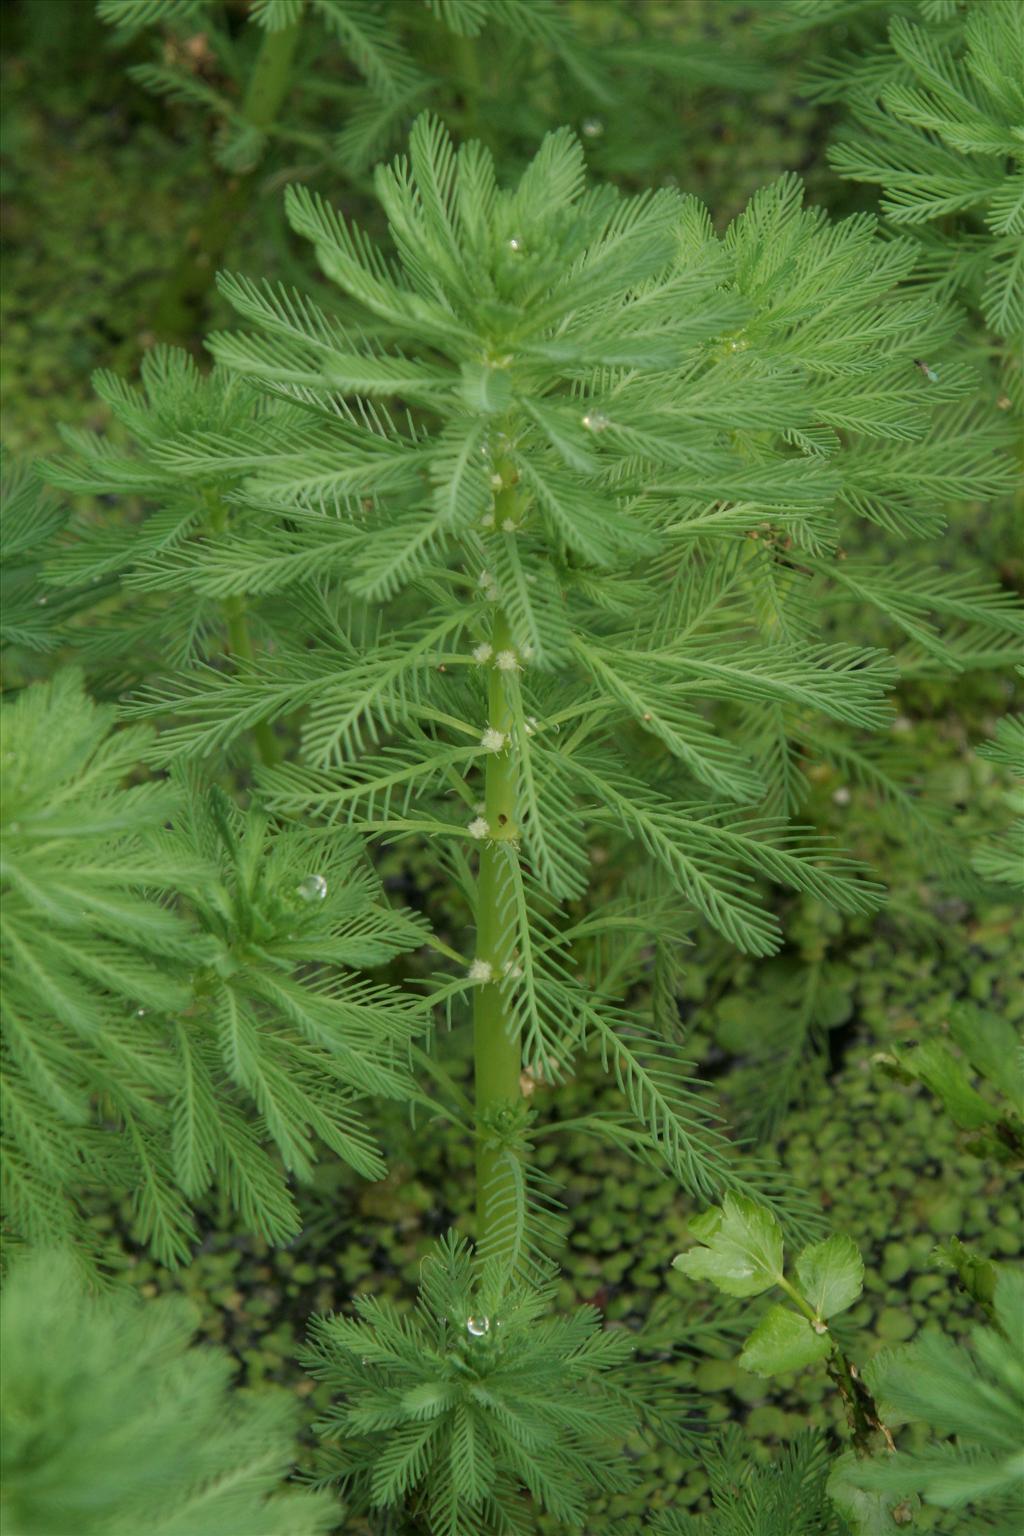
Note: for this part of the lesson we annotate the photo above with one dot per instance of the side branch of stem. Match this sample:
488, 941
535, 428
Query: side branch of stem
240, 643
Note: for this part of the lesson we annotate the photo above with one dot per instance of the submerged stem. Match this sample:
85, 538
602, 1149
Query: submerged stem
271, 76
178, 310
468, 70
861, 1410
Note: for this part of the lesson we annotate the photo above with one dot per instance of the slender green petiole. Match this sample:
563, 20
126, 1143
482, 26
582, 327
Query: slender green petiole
794, 1295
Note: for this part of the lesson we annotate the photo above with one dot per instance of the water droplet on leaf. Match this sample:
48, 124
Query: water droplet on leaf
592, 127
596, 421
312, 888
478, 1326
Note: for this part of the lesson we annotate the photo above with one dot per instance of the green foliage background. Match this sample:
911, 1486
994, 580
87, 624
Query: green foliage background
100, 186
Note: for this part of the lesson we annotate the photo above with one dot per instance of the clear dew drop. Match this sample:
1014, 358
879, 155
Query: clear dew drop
592, 127
596, 421
478, 1326
515, 244
312, 888
140, 1013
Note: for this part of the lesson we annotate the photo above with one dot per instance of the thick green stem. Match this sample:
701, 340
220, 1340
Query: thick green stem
496, 1047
